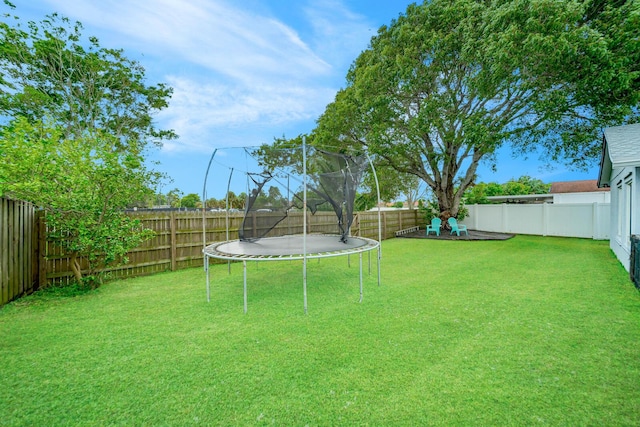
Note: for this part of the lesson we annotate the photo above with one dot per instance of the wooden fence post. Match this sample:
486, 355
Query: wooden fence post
384, 225
4, 250
42, 252
174, 244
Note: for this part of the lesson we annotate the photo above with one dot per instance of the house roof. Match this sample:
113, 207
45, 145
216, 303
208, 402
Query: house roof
620, 147
523, 198
583, 186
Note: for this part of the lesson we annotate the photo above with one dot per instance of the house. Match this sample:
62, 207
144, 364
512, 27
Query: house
563, 192
582, 191
620, 170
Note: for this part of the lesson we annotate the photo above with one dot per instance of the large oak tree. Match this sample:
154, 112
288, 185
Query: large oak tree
449, 82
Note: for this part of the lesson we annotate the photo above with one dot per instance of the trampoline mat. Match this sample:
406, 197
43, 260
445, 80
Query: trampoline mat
290, 246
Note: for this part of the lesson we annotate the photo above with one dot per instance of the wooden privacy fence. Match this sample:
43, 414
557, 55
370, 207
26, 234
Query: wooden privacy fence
178, 240
18, 249
29, 261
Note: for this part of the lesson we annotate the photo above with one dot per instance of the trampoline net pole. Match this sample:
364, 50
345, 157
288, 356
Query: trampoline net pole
244, 268
226, 203
379, 265
360, 276
227, 215
204, 202
206, 268
304, 222
375, 177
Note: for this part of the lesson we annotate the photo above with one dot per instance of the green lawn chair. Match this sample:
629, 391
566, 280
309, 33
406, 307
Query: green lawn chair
435, 226
457, 228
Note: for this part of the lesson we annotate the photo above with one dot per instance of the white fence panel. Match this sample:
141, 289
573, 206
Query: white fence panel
485, 218
570, 220
525, 219
586, 220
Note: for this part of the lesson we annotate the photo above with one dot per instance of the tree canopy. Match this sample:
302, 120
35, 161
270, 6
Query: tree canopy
48, 69
75, 122
191, 200
447, 83
523, 185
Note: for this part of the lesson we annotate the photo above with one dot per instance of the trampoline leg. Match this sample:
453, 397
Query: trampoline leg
244, 268
206, 269
304, 283
360, 276
379, 256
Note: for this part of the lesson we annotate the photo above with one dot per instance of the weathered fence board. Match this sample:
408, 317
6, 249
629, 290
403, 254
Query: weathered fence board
18, 244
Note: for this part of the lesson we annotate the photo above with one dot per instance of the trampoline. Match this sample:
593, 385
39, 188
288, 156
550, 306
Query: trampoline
334, 179
295, 247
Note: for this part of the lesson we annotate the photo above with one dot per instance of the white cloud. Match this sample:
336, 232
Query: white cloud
224, 39
339, 34
237, 72
200, 110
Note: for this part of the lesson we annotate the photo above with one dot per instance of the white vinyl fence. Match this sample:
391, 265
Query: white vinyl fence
586, 220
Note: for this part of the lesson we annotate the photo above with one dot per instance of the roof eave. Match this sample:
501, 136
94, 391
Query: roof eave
604, 173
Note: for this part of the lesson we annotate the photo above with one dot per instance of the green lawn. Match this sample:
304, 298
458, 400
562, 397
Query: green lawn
528, 331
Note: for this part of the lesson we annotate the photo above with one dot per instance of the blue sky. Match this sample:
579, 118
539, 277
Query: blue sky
245, 72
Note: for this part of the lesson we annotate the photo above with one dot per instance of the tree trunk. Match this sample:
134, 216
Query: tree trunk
75, 267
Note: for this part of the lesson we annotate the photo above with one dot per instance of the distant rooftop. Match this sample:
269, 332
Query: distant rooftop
583, 186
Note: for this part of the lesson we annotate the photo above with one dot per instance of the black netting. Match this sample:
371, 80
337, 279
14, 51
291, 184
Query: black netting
332, 182
333, 179
265, 208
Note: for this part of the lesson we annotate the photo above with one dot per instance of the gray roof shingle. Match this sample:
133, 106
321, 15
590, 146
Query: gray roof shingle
620, 147
623, 143
581, 186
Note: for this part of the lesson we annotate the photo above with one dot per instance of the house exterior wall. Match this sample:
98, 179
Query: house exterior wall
585, 197
625, 211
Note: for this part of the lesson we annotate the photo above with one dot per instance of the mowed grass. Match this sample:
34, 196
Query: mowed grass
528, 331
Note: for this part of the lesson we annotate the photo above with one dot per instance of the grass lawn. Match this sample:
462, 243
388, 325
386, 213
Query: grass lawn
528, 331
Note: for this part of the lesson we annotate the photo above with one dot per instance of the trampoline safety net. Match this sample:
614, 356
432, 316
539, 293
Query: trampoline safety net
332, 181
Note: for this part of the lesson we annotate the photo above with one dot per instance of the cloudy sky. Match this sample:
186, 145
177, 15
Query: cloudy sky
243, 72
